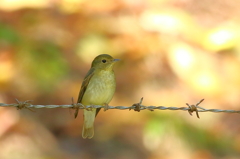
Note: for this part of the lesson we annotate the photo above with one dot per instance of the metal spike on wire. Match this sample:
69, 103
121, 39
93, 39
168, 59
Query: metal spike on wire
136, 107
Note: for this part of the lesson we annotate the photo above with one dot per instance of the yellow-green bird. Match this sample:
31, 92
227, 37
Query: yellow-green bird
97, 88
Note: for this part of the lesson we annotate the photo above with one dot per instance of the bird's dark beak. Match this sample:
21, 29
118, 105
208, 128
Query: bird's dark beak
115, 60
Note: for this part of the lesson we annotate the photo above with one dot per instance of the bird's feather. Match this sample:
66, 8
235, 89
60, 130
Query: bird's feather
84, 87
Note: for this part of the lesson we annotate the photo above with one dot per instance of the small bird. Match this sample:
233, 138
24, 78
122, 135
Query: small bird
97, 88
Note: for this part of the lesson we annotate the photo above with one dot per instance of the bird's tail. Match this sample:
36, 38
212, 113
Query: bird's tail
88, 125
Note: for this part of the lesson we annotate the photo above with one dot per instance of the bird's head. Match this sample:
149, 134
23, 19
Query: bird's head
104, 61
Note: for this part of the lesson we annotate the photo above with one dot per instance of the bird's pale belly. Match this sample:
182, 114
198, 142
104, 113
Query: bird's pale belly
100, 90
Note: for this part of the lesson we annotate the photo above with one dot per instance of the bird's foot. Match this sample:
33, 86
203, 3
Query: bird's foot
89, 108
106, 106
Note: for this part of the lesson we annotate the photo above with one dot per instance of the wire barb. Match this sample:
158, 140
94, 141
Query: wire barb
193, 108
137, 106
24, 104
75, 106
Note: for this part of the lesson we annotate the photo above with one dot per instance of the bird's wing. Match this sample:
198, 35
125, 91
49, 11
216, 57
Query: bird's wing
84, 87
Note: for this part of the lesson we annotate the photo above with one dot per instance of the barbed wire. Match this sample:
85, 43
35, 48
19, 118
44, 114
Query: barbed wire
136, 107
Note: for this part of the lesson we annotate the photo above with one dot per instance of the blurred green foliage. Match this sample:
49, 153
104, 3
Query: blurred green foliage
8, 35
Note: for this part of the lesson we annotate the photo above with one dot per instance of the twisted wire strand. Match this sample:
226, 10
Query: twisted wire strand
22, 105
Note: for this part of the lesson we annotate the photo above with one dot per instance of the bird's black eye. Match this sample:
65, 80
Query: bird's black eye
104, 61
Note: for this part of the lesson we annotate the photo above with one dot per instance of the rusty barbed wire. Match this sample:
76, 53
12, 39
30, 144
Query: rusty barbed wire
137, 107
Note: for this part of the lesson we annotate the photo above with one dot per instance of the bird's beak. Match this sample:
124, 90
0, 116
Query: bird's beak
115, 60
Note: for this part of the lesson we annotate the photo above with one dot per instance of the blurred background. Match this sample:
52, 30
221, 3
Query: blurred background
172, 52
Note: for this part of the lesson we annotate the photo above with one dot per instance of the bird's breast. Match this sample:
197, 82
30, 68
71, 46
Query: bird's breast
100, 89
